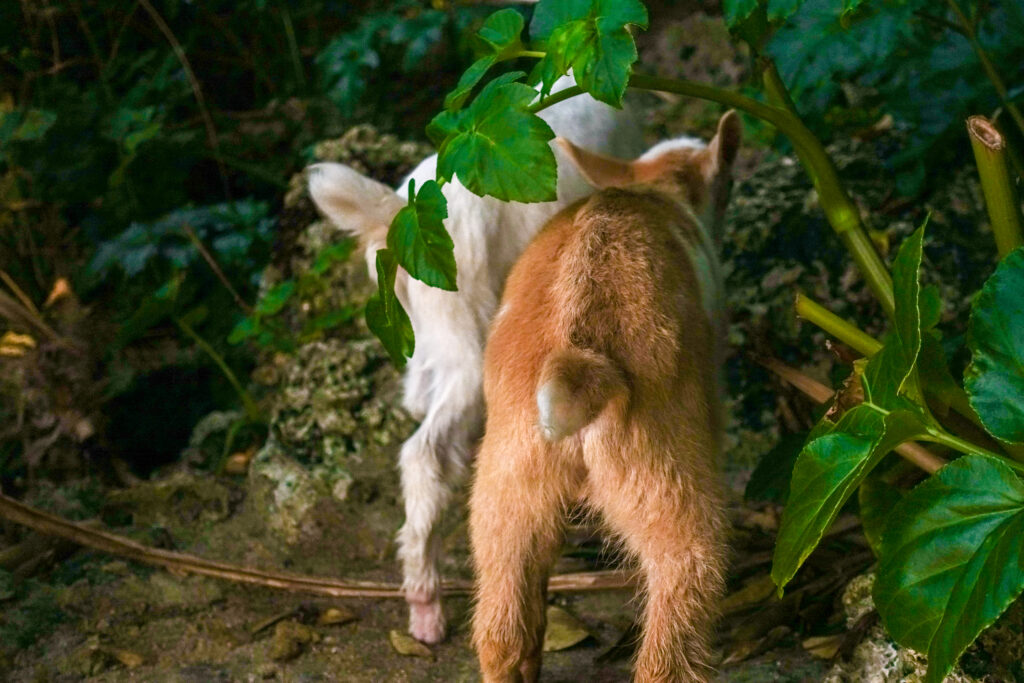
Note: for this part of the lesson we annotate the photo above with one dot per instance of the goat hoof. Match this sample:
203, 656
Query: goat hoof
426, 621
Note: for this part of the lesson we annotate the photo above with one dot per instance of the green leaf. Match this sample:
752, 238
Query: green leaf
455, 99
246, 327
31, 124
500, 35
419, 241
736, 11
501, 31
891, 370
952, 559
780, 10
770, 479
828, 472
591, 38
275, 298
995, 378
499, 148
877, 497
384, 313
940, 386
331, 254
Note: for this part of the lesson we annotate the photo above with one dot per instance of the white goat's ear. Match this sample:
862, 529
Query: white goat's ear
356, 204
724, 147
599, 171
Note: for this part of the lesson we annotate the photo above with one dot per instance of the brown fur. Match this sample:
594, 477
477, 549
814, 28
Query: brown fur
605, 304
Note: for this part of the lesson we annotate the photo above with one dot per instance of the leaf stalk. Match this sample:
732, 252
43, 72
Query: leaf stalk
1001, 199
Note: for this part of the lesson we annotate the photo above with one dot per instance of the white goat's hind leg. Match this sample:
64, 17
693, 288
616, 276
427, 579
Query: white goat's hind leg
426, 496
433, 462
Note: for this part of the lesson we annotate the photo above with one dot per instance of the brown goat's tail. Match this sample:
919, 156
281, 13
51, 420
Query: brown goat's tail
575, 386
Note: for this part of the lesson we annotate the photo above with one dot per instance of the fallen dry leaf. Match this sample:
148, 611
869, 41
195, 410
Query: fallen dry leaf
823, 647
563, 630
405, 644
14, 345
335, 615
61, 289
755, 591
131, 660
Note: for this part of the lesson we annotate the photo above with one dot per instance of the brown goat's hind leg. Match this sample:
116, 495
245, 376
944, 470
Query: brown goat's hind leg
516, 525
674, 529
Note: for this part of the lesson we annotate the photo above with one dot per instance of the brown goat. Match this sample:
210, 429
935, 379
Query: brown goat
601, 380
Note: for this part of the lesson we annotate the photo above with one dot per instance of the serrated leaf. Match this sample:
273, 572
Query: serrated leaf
952, 560
995, 378
591, 38
384, 313
828, 471
499, 148
419, 240
470, 77
501, 31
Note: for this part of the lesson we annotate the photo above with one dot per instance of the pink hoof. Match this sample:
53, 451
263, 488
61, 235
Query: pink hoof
426, 621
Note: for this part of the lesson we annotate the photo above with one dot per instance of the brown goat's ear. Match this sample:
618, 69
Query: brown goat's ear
724, 147
599, 171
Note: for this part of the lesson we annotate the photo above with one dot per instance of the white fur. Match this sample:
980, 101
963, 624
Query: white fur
443, 380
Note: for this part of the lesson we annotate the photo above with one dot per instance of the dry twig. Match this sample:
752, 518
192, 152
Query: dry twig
337, 588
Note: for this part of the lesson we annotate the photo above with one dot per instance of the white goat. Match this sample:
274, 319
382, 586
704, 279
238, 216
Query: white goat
443, 380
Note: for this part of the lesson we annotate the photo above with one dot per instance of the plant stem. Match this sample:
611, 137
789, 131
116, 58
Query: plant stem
197, 91
914, 453
970, 448
251, 409
852, 336
1001, 199
846, 332
212, 262
536, 54
971, 34
839, 209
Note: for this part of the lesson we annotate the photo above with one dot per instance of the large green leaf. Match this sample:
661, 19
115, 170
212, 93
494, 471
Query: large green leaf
497, 147
952, 559
590, 37
995, 378
419, 241
500, 37
384, 313
828, 472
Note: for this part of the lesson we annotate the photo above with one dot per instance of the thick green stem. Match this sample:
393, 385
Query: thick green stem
251, 409
971, 34
1000, 193
839, 209
842, 330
